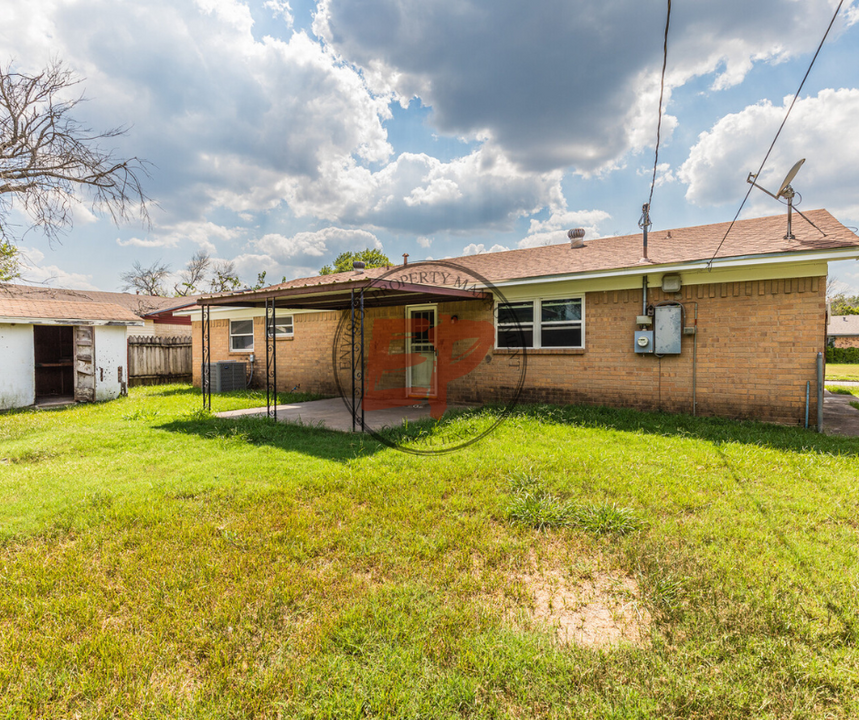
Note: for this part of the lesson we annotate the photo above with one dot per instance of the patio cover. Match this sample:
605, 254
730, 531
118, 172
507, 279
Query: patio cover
378, 292
355, 294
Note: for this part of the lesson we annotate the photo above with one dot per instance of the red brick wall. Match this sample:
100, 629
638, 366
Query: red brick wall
757, 345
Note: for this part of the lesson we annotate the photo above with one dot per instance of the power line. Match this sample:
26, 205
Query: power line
787, 114
661, 93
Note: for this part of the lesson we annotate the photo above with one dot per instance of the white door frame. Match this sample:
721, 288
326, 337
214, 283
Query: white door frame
433, 391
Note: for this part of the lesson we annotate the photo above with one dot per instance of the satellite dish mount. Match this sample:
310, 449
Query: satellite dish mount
788, 193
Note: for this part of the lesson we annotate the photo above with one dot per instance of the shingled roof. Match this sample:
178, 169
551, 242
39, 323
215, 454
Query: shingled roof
140, 305
27, 310
843, 325
758, 237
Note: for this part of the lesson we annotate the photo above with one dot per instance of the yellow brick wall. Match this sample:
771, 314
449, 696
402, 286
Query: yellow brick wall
304, 360
757, 345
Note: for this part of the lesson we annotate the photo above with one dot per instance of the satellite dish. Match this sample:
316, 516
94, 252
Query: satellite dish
787, 179
786, 192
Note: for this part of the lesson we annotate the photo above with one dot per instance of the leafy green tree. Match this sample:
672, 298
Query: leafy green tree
9, 265
372, 259
842, 304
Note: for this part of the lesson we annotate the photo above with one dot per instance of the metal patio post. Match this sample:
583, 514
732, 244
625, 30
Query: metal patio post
363, 427
352, 339
206, 369
270, 358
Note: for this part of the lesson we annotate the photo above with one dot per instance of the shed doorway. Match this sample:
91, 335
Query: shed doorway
54, 354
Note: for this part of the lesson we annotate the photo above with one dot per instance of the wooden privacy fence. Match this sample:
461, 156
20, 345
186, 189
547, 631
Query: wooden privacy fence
158, 360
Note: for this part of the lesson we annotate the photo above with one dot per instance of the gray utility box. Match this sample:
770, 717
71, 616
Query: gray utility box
668, 329
644, 341
229, 375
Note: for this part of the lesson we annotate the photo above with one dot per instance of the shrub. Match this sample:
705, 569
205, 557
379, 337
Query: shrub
842, 355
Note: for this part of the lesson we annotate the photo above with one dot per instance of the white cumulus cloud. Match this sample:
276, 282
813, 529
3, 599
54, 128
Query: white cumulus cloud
555, 85
720, 161
480, 249
325, 243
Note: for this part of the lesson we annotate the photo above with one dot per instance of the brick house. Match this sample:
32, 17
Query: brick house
590, 322
843, 331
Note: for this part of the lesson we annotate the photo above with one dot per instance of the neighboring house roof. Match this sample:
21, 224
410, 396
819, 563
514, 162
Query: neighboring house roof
175, 305
32, 311
843, 325
749, 241
140, 305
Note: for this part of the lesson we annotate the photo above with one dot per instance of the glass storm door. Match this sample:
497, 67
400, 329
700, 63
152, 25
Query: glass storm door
421, 378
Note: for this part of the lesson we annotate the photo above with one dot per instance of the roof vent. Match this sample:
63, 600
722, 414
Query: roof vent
576, 236
358, 265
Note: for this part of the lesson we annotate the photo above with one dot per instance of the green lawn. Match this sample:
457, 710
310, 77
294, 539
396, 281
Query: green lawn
842, 371
156, 562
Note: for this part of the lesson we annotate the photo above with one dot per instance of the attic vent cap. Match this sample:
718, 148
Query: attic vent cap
358, 265
576, 236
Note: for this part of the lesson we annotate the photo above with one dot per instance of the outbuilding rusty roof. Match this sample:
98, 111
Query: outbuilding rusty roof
140, 305
21, 309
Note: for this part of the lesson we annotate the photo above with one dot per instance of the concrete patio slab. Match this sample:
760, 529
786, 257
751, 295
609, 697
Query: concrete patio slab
334, 415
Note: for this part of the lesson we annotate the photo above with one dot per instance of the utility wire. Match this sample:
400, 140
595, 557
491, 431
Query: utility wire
661, 94
786, 115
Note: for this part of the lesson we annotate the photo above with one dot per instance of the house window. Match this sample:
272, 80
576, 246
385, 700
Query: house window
544, 323
561, 323
516, 324
241, 335
283, 327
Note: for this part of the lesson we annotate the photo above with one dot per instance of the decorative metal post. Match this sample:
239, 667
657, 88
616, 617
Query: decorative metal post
270, 358
356, 329
352, 340
206, 369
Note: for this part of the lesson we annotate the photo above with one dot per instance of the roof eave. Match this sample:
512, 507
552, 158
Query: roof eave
833, 254
66, 321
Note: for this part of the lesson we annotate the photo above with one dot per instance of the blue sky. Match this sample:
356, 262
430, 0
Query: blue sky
283, 133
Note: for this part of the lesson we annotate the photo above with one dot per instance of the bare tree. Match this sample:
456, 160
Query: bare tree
194, 274
224, 277
149, 281
48, 160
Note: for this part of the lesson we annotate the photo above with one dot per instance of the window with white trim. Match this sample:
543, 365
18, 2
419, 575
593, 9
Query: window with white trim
283, 327
542, 323
241, 335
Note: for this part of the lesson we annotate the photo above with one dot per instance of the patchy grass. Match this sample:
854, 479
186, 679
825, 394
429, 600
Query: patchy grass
842, 371
535, 507
157, 562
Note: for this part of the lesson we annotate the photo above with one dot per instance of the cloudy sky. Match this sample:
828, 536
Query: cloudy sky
283, 132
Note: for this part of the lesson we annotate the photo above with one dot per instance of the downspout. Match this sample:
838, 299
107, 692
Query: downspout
695, 366
820, 392
644, 293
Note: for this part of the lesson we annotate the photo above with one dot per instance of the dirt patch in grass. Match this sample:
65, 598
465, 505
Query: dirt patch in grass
599, 611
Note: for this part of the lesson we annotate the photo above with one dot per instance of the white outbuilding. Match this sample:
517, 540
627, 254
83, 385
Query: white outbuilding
55, 351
